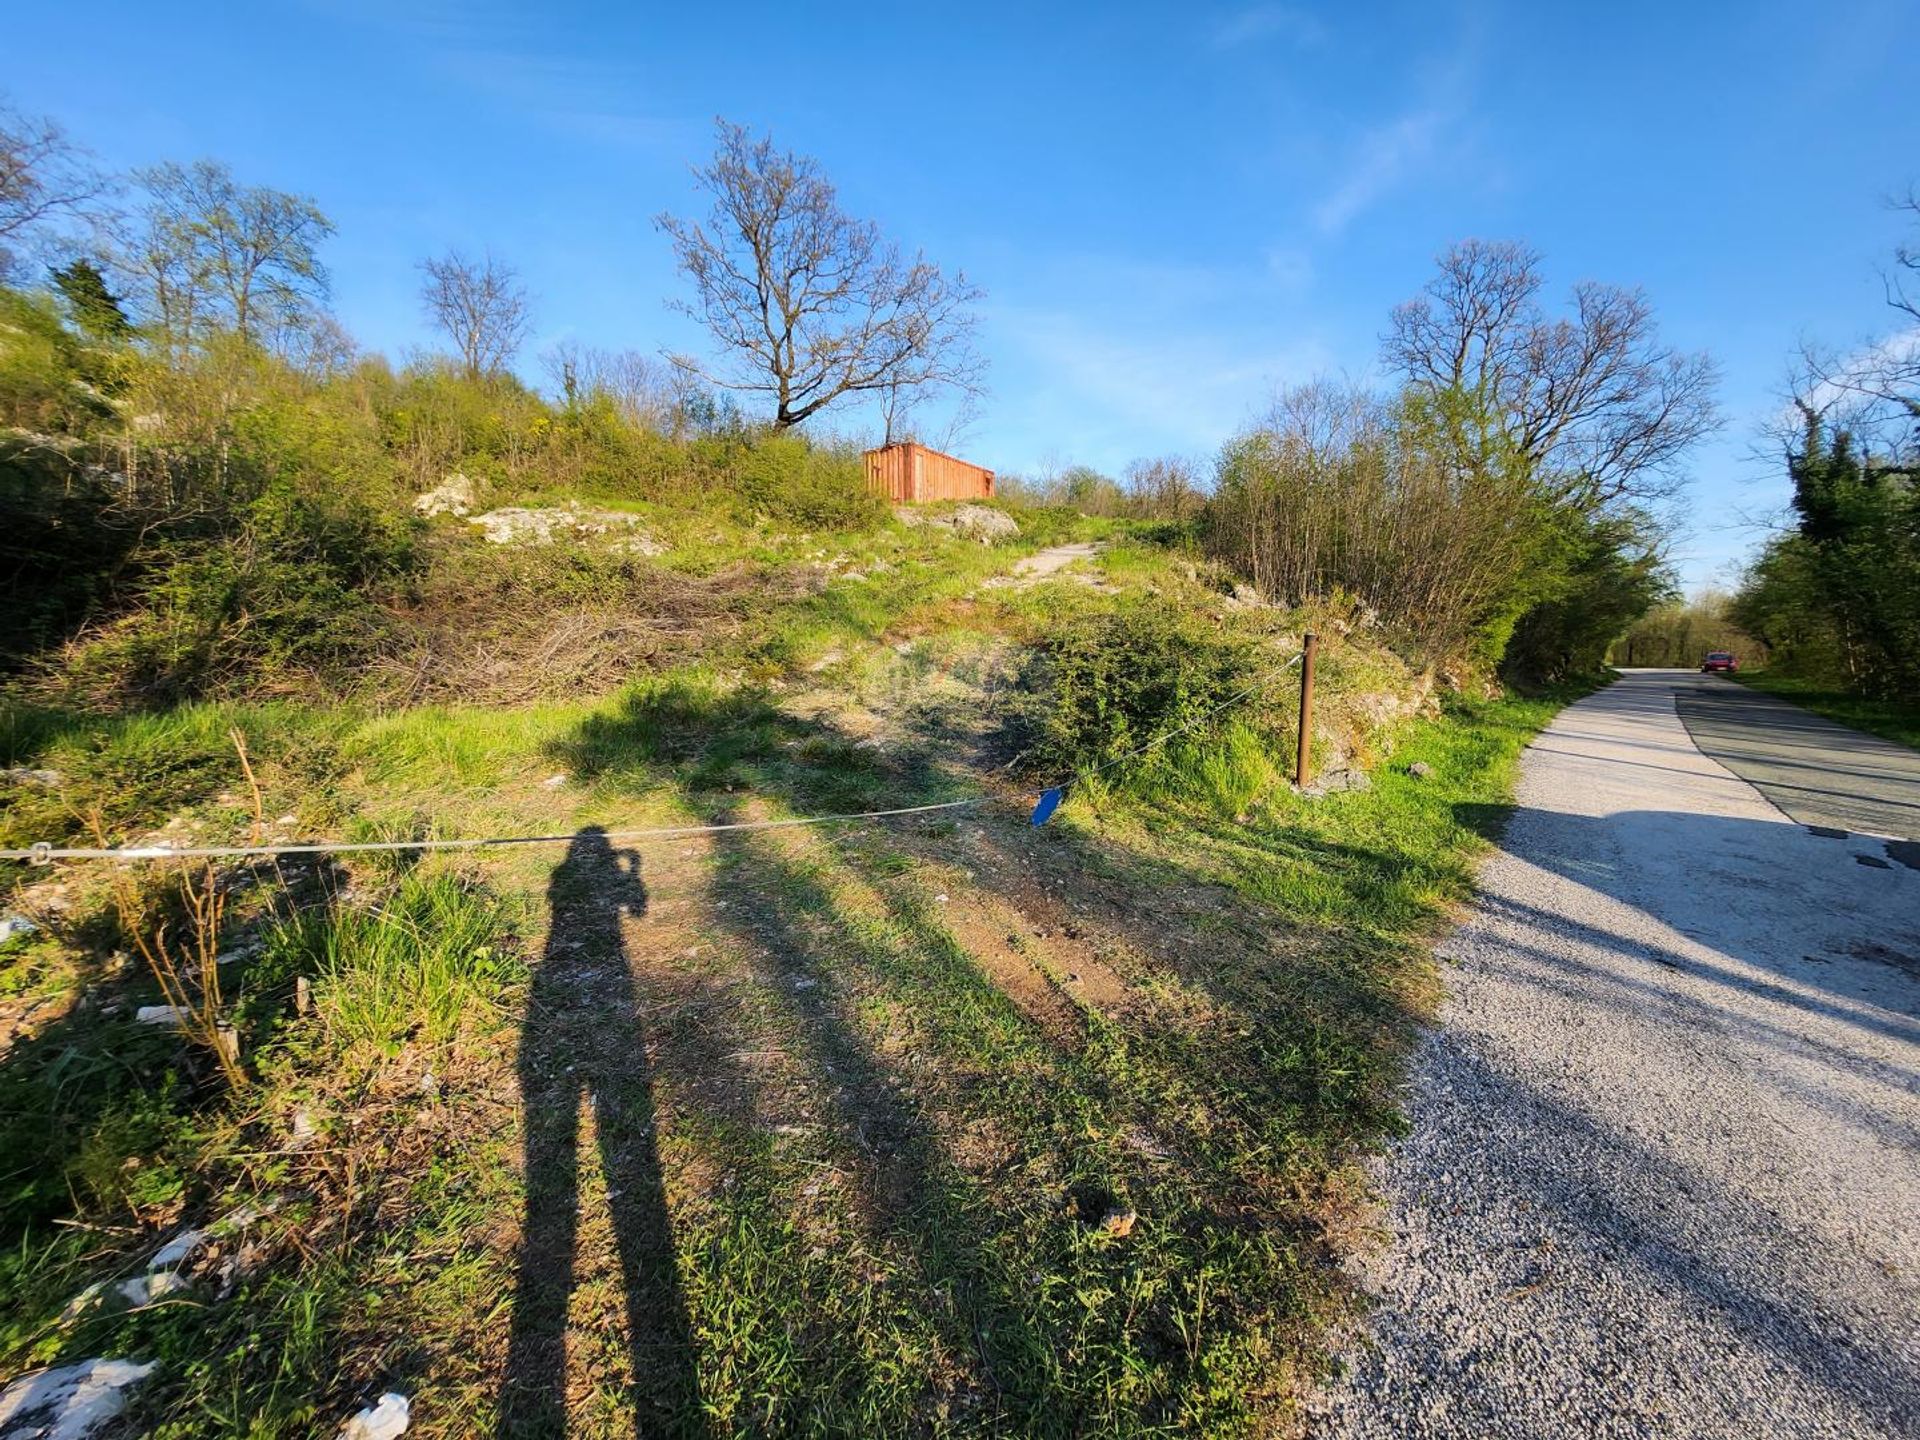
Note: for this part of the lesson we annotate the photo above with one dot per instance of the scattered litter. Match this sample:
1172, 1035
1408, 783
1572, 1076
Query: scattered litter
175, 1015
385, 1419
1420, 770
303, 1126
429, 1084
12, 927
243, 1217
69, 1403
145, 1290
179, 1250
804, 984
1120, 1223
554, 782
1141, 1142
940, 899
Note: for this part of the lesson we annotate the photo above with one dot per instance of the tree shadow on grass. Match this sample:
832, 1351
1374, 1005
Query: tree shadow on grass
584, 1041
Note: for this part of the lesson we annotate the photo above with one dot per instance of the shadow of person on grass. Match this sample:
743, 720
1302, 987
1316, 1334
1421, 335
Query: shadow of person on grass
583, 1038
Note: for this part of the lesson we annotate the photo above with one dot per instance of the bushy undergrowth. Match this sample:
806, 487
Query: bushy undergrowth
1119, 679
223, 522
417, 968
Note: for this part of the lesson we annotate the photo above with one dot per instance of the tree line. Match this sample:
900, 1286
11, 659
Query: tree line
1835, 594
1496, 504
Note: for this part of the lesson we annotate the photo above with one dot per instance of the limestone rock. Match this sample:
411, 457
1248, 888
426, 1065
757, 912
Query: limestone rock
454, 495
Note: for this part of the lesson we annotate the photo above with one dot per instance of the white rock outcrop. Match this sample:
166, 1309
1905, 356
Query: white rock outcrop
454, 495
522, 525
972, 522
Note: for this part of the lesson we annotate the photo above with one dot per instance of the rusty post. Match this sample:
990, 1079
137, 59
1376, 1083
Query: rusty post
1303, 766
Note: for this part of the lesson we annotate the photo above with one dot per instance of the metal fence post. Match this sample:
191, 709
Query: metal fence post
1303, 766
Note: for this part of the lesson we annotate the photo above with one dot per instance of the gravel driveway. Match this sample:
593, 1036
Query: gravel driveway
1664, 1174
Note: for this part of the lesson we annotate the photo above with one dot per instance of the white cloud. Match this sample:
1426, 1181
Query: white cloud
1857, 373
1107, 392
1385, 156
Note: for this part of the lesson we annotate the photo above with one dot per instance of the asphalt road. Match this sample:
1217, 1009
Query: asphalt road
1817, 772
1664, 1172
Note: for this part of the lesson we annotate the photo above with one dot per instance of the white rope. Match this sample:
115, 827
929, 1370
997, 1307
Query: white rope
45, 853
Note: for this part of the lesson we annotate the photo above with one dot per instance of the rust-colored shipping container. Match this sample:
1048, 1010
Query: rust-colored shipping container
909, 474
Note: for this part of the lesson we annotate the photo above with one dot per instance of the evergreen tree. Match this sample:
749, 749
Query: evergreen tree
95, 308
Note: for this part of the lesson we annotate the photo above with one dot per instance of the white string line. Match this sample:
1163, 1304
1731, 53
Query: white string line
45, 853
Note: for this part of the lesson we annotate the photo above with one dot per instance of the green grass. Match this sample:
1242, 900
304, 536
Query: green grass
1888, 719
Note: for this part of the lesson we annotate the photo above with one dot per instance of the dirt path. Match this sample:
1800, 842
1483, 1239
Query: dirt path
1043, 564
1666, 1144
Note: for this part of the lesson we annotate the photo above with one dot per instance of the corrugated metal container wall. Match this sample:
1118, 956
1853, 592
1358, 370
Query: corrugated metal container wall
911, 474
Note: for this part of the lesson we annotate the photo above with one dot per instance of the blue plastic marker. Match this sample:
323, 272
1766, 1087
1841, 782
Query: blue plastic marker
1049, 802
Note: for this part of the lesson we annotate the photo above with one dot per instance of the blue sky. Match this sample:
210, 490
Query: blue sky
1173, 209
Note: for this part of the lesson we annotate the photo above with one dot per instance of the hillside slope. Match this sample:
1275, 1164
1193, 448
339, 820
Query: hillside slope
940, 1124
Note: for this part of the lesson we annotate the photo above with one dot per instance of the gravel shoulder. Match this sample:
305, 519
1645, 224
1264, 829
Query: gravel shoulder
1665, 1155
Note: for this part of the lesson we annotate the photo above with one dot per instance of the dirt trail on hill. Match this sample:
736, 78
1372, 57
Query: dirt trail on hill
1666, 1142
1043, 565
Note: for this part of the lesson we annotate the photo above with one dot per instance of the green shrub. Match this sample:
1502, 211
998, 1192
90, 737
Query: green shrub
790, 479
1116, 680
292, 593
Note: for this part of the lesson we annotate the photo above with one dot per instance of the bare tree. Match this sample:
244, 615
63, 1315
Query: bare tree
1873, 390
807, 303
1164, 489
44, 177
481, 305
644, 391
210, 252
1593, 402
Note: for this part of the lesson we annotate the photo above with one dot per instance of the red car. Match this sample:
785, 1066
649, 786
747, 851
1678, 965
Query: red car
1720, 660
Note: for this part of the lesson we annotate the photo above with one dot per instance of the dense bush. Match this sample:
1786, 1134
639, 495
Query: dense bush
1607, 574
288, 590
1116, 680
785, 476
1340, 491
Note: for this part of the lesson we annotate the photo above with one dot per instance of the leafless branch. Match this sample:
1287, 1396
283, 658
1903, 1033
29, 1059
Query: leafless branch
482, 307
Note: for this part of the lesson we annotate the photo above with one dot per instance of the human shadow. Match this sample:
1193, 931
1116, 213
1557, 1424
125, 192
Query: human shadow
584, 1040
